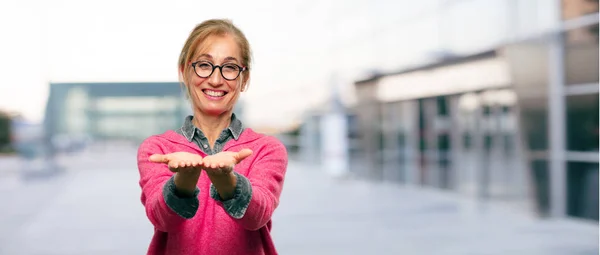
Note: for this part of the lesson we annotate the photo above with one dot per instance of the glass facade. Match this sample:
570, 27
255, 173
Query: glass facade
137, 117
558, 100
529, 137
129, 111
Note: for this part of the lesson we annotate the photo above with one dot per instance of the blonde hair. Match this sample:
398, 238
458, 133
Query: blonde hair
200, 33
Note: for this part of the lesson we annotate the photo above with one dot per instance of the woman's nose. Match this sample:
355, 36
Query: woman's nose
216, 78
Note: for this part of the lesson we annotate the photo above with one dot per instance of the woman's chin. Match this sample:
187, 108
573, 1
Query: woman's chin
213, 111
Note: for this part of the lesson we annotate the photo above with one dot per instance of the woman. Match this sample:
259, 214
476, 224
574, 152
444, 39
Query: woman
211, 186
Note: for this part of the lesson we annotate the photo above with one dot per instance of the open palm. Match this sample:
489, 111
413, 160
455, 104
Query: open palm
184, 162
222, 163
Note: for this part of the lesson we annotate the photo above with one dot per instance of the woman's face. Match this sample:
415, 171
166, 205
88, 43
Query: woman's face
215, 95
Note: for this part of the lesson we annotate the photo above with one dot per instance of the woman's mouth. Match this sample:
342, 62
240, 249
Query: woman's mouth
214, 93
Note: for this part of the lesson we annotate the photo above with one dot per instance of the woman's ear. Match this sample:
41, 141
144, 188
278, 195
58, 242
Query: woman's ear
245, 82
181, 71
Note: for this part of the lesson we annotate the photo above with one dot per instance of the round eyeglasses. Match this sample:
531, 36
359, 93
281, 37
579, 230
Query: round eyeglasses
229, 72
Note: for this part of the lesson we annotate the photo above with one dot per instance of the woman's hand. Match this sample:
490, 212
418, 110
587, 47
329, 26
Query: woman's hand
187, 167
179, 162
222, 163
219, 168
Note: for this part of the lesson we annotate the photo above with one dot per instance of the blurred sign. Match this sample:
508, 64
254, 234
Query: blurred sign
334, 141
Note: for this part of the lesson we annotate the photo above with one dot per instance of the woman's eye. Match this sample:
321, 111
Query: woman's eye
204, 66
230, 68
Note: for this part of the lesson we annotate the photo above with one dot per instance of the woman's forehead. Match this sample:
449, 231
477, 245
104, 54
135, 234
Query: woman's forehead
218, 47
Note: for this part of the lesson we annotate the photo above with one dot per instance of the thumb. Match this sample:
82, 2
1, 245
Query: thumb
241, 155
159, 158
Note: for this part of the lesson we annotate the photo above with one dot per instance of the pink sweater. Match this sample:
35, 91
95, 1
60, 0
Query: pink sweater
212, 230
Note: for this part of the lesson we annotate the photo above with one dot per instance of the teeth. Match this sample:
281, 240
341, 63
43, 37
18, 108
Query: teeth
214, 93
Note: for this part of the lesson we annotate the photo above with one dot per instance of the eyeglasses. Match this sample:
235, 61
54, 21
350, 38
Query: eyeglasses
205, 69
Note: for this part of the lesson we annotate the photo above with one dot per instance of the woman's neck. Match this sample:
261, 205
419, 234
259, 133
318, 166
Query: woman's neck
212, 126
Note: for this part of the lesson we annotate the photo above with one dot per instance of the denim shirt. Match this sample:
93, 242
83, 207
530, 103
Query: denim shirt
187, 206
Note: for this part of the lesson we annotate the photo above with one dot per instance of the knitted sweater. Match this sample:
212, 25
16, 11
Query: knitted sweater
209, 227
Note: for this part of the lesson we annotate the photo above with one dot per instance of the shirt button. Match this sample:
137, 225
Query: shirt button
204, 145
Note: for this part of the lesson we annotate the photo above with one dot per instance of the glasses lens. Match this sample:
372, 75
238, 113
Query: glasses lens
203, 69
230, 71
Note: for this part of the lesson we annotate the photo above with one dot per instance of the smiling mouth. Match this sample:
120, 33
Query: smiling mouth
214, 93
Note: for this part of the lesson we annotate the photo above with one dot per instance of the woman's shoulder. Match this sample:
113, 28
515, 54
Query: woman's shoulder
257, 140
166, 136
249, 135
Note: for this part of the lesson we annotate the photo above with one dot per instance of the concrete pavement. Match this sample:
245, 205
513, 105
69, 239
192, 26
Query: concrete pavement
94, 208
324, 216
9, 163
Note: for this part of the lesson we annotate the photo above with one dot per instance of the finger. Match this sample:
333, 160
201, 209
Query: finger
208, 163
182, 164
159, 158
222, 164
188, 164
173, 165
241, 155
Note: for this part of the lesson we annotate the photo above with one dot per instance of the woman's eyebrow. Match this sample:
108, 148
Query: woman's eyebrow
230, 59
210, 57
204, 56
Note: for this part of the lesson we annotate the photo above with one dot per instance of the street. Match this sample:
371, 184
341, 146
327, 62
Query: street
94, 208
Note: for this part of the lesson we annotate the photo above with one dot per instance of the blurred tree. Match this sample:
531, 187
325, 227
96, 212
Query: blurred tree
5, 132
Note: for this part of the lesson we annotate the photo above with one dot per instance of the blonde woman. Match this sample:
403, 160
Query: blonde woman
211, 186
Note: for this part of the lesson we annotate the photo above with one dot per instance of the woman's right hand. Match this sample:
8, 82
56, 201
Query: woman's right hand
179, 162
187, 167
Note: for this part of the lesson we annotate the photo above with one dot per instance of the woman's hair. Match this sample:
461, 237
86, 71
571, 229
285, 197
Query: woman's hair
201, 32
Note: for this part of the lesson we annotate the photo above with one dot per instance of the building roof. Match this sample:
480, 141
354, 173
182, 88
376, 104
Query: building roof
100, 89
452, 60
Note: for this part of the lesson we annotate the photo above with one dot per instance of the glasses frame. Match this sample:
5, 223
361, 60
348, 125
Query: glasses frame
241, 69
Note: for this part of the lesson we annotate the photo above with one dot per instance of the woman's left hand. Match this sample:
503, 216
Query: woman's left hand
222, 163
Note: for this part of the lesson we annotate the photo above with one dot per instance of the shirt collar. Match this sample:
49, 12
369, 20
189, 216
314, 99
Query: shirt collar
189, 130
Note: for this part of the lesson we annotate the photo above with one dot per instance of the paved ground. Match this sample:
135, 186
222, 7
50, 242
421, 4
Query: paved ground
94, 208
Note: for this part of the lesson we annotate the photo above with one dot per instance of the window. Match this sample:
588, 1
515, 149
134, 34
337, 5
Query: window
582, 190
581, 55
442, 106
534, 118
467, 141
541, 184
582, 122
443, 142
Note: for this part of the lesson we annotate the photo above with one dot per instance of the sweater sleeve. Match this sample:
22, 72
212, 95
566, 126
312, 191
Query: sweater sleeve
262, 187
165, 208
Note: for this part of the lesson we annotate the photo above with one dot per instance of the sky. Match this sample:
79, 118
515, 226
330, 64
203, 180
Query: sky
121, 41
295, 47
300, 48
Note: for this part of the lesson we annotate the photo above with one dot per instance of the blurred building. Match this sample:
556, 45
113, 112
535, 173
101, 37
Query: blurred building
311, 130
100, 111
509, 116
451, 125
